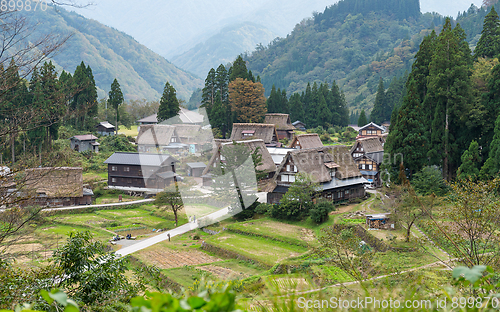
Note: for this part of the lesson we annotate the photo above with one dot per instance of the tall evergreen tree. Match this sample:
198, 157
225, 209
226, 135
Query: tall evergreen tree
84, 103
169, 105
115, 99
379, 107
307, 99
489, 43
338, 107
471, 162
491, 167
239, 69
406, 137
283, 103
296, 107
208, 95
225, 122
54, 109
272, 101
449, 91
362, 120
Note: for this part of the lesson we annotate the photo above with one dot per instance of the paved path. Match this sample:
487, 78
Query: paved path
145, 243
135, 202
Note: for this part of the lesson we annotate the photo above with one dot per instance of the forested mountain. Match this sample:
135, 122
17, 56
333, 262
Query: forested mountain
355, 43
223, 47
111, 54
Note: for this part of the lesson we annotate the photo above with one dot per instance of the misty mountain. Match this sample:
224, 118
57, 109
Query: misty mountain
111, 54
223, 47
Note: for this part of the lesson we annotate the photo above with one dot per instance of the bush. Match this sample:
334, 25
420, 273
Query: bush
428, 181
319, 213
289, 211
263, 209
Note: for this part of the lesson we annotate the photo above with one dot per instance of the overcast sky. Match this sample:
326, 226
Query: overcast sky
447, 7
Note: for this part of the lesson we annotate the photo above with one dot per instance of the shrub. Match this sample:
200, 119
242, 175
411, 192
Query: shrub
319, 213
428, 181
263, 209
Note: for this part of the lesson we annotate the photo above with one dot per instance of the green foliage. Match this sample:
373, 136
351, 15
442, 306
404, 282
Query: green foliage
170, 197
319, 213
362, 121
169, 105
430, 181
471, 161
489, 43
491, 168
115, 99
116, 143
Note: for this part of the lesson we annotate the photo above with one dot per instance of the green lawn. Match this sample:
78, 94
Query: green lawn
293, 234
132, 132
263, 250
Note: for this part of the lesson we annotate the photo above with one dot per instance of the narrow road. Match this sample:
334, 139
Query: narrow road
173, 232
135, 202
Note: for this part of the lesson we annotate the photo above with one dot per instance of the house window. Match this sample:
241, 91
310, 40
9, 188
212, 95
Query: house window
284, 178
126, 169
114, 168
370, 167
113, 180
346, 192
288, 168
172, 140
291, 178
129, 181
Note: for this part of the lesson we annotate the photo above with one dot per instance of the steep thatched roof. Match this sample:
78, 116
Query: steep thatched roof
156, 135
188, 133
280, 121
265, 132
370, 145
317, 162
252, 145
55, 182
309, 140
372, 124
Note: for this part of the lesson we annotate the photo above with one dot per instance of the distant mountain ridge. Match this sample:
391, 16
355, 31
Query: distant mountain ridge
112, 54
222, 47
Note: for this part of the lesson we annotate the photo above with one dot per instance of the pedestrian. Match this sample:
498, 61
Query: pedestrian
168, 235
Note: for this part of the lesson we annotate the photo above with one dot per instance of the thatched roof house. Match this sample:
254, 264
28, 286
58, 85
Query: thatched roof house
330, 166
267, 165
154, 137
188, 133
251, 131
56, 186
303, 141
283, 125
366, 145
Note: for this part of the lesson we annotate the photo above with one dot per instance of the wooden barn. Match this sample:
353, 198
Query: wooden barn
105, 128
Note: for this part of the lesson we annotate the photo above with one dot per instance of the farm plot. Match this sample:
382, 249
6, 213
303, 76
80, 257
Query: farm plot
280, 231
166, 258
263, 250
222, 272
286, 284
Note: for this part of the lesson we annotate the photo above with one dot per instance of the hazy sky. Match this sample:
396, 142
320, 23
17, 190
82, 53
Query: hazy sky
447, 7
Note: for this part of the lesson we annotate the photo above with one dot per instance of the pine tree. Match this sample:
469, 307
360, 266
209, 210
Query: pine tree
84, 103
54, 110
296, 108
283, 103
491, 167
306, 102
489, 43
272, 101
169, 105
362, 120
239, 69
208, 95
115, 99
338, 107
449, 91
471, 162
225, 121
407, 135
379, 107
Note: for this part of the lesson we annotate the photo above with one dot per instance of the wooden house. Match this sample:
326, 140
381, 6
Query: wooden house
330, 166
368, 153
140, 172
252, 131
281, 122
370, 130
267, 166
86, 142
299, 125
105, 128
159, 138
56, 187
303, 141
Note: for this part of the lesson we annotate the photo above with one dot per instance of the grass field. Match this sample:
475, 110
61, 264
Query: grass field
263, 250
131, 132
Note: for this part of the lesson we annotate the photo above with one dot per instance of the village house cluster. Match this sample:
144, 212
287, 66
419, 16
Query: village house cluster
342, 173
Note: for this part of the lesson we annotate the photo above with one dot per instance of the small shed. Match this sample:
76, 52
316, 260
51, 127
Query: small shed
86, 142
379, 221
207, 179
105, 128
195, 169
